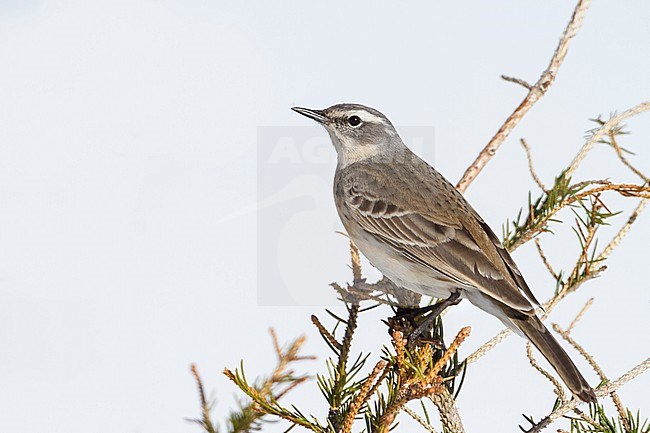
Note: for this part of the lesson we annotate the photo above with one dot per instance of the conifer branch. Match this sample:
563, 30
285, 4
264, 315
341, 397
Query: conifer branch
596, 135
410, 370
586, 195
364, 394
417, 377
449, 415
592, 362
206, 419
601, 391
264, 395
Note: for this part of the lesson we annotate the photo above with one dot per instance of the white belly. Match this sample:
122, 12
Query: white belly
399, 270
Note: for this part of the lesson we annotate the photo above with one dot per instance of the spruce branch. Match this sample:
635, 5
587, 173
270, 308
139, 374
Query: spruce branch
206, 418
587, 266
339, 396
267, 405
449, 415
265, 395
592, 362
585, 195
601, 391
543, 210
356, 264
415, 376
370, 385
596, 421
623, 231
597, 135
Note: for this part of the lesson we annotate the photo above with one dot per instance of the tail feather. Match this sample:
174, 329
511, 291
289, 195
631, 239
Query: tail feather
542, 339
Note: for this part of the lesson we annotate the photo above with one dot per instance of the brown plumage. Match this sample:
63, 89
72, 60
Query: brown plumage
419, 231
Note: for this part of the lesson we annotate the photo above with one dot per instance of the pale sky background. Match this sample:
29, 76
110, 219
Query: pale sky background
129, 181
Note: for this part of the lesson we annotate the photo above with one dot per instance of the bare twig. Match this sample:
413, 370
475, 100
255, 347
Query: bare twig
619, 152
545, 260
519, 81
534, 94
449, 415
624, 189
276, 343
601, 391
592, 362
531, 167
580, 315
488, 345
428, 427
443, 400
590, 359
559, 391
602, 131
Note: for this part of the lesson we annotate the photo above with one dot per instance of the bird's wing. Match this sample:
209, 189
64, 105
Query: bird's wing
510, 264
458, 245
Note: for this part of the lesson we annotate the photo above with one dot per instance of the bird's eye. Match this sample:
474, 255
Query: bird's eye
354, 120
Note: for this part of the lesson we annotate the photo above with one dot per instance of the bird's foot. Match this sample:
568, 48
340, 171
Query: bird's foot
423, 329
406, 326
417, 325
413, 311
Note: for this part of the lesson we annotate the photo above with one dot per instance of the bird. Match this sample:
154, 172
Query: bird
416, 228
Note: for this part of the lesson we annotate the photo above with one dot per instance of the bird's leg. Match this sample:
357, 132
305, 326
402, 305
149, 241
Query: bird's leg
410, 313
414, 312
436, 309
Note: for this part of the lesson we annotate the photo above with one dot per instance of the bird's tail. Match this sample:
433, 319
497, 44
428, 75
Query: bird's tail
542, 339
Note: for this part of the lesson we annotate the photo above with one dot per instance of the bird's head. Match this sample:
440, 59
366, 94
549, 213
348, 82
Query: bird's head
357, 132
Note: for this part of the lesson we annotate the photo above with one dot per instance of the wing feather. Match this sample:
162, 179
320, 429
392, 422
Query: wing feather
447, 247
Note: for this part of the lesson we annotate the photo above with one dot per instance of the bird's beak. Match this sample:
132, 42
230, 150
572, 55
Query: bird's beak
317, 115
